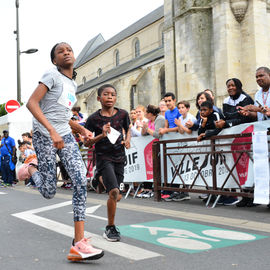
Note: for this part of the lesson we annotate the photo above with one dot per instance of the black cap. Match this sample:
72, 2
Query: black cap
5, 131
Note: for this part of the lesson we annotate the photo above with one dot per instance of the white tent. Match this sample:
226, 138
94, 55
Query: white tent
16, 123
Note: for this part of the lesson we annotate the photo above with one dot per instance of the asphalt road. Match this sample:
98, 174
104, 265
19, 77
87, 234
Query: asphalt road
36, 233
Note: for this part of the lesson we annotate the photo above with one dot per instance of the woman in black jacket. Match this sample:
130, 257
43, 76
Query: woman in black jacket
237, 97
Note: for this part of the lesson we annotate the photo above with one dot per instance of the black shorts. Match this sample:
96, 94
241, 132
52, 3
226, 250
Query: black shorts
112, 174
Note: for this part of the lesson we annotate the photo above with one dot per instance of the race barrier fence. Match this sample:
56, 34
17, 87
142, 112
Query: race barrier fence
220, 165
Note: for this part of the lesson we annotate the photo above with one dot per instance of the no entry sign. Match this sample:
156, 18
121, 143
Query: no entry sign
12, 105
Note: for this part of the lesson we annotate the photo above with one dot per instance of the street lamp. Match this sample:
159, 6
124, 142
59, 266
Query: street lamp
19, 52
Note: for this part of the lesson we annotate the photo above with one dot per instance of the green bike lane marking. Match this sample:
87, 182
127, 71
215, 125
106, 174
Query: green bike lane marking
186, 236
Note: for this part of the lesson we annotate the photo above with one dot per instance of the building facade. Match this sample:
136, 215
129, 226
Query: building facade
184, 47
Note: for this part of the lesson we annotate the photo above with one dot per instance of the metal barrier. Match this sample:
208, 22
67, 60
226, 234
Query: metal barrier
188, 151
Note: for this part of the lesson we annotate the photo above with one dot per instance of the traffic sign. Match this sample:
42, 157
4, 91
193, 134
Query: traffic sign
12, 105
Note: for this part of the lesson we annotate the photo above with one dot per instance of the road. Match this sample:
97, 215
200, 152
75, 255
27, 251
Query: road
36, 233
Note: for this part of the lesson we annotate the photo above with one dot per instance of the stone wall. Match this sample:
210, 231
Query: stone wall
215, 40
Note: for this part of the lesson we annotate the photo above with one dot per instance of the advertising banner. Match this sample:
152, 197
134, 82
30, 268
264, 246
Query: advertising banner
139, 167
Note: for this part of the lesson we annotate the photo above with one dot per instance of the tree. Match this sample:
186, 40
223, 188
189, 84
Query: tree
2, 109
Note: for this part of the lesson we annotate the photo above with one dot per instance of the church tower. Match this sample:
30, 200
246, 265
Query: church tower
210, 41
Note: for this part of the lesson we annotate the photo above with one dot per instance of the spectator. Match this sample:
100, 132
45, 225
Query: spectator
133, 117
211, 94
163, 107
8, 159
136, 130
260, 112
262, 98
201, 97
170, 115
183, 107
155, 122
207, 127
78, 137
237, 97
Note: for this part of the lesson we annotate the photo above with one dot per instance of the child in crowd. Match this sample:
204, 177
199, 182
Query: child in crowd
76, 112
201, 97
170, 115
163, 107
136, 130
207, 126
133, 117
110, 154
183, 107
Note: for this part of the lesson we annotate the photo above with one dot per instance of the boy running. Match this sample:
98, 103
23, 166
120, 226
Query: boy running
110, 155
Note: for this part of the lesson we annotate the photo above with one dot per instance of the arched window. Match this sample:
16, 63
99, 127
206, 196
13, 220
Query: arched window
137, 48
162, 81
116, 55
83, 80
99, 72
132, 97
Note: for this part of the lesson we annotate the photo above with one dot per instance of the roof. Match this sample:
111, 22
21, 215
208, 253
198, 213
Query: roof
91, 45
123, 69
132, 29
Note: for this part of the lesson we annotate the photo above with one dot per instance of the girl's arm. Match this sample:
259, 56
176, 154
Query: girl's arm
34, 108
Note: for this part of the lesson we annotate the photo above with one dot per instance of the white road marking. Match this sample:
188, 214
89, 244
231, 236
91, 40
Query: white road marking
188, 215
90, 210
2, 193
125, 250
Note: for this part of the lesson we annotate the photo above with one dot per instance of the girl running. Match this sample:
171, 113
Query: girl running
51, 105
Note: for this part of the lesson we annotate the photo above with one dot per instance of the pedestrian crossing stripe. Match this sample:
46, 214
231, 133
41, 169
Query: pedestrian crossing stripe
186, 236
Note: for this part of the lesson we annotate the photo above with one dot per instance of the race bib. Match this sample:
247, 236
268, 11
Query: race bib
68, 97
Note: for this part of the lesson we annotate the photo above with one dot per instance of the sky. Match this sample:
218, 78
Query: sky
43, 23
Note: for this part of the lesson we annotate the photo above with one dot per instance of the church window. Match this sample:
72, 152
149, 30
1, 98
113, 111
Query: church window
116, 58
99, 73
137, 48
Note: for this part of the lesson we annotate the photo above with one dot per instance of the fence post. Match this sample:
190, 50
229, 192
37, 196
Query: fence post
214, 163
156, 170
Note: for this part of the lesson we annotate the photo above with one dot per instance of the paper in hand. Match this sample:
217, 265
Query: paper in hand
113, 135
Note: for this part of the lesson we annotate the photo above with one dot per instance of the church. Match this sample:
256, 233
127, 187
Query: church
184, 47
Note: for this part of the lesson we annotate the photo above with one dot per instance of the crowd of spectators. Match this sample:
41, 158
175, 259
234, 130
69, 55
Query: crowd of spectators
238, 108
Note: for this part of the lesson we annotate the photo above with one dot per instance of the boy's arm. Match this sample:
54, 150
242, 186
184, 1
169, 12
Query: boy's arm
91, 141
204, 121
127, 140
80, 129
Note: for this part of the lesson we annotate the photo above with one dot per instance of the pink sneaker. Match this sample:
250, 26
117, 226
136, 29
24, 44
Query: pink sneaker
83, 250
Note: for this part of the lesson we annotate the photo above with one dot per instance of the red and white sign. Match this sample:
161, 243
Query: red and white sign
12, 105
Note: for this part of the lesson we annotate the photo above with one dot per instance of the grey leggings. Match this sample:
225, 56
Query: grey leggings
45, 178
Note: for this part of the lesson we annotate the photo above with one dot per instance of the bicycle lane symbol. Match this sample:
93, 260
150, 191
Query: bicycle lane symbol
186, 236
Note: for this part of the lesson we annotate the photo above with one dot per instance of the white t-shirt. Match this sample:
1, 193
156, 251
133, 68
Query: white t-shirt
188, 117
57, 102
261, 97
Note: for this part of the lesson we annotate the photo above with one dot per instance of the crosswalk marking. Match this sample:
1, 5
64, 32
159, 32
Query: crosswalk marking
119, 248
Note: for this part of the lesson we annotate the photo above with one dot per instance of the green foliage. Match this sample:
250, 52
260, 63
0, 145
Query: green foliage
2, 109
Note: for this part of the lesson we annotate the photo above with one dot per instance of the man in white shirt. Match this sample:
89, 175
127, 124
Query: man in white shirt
261, 110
